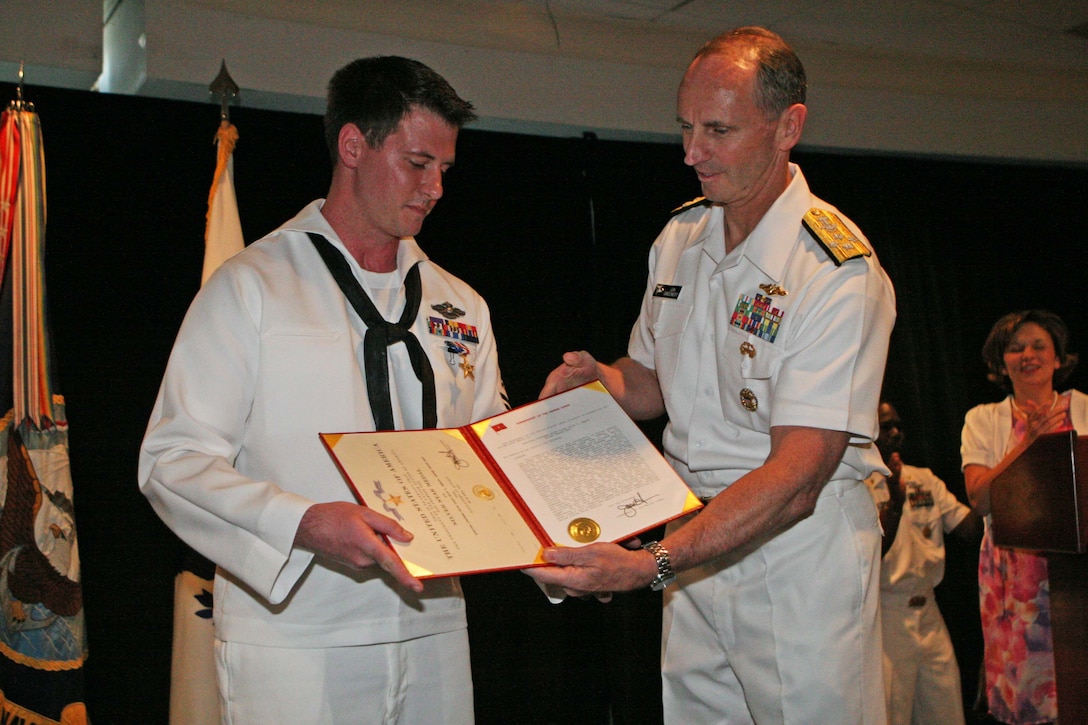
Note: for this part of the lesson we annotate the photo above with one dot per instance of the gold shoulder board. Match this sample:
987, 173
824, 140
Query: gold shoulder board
698, 201
837, 240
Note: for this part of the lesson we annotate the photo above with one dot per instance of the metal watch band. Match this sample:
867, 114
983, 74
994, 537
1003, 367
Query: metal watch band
665, 575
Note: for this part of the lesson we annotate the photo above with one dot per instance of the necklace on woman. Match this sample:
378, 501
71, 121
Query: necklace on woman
1021, 410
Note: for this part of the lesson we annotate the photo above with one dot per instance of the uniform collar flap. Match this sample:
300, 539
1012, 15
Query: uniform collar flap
766, 247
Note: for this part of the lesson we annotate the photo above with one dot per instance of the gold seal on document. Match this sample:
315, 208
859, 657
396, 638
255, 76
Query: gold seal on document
483, 492
584, 531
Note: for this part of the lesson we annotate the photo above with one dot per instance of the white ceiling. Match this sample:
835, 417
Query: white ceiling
1006, 78
1019, 50
1022, 33
989, 78
1033, 32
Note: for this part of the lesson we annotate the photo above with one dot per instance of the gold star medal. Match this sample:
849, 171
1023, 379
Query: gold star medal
467, 367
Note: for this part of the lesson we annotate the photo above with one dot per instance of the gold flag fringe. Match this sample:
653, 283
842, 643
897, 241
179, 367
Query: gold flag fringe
226, 137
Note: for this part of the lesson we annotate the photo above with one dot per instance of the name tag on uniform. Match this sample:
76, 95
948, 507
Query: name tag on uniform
669, 291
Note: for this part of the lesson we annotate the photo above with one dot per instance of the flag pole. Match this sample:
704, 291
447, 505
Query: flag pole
193, 690
223, 230
227, 90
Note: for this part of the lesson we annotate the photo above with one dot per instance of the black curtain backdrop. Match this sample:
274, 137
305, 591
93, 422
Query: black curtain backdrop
554, 233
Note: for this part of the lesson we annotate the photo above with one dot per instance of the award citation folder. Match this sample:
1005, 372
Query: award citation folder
567, 470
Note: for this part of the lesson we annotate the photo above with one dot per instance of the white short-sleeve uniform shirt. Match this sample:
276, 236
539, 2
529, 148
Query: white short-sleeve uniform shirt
774, 333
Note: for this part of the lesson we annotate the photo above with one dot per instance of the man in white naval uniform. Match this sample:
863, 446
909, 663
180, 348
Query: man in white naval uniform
316, 619
921, 676
763, 335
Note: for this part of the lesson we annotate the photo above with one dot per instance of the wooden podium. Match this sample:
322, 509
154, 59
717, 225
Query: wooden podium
1040, 502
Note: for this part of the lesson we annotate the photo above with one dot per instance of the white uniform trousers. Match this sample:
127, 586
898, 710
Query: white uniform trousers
423, 680
786, 632
921, 677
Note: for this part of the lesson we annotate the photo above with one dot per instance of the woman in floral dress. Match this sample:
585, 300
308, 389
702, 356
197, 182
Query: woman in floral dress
1027, 355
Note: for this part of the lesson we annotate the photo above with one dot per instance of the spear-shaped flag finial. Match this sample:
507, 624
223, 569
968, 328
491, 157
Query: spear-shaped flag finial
226, 89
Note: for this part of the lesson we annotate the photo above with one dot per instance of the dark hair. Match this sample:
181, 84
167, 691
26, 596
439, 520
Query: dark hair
781, 82
993, 350
377, 93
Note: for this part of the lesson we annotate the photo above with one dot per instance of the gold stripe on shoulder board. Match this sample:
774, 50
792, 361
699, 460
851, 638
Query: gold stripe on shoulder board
697, 201
837, 240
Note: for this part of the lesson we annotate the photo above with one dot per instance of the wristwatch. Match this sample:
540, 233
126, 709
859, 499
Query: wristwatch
665, 575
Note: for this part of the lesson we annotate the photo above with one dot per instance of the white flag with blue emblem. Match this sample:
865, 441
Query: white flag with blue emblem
193, 694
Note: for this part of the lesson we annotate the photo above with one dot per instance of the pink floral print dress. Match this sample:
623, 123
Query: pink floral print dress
1014, 599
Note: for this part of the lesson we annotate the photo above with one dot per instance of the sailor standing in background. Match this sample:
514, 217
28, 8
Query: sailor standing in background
921, 677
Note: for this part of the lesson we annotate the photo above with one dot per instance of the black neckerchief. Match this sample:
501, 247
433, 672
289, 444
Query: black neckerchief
380, 334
